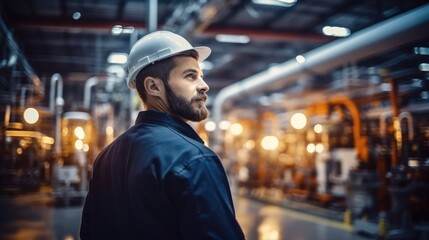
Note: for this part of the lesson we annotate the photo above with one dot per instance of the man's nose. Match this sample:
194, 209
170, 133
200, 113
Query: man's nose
202, 86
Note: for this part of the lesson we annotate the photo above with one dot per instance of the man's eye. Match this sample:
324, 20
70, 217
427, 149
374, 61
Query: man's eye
192, 76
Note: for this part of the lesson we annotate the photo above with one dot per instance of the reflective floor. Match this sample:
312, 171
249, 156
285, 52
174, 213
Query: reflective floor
267, 222
36, 216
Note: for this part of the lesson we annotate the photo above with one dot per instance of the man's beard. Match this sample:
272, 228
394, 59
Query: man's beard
181, 107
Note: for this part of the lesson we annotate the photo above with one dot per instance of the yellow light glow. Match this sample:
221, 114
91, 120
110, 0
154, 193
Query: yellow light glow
269, 229
68, 237
298, 120
19, 151
311, 148
85, 147
236, 129
224, 125
249, 144
79, 133
270, 143
109, 130
319, 148
47, 140
78, 144
318, 128
65, 131
31, 115
18, 133
210, 126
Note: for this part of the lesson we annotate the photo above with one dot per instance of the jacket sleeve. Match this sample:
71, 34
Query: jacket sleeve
200, 192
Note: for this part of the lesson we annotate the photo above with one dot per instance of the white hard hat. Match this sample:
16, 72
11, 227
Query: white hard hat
156, 46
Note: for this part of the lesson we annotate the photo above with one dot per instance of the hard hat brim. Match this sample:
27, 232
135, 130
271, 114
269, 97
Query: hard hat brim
203, 53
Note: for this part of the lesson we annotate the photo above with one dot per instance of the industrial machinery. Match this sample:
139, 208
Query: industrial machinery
366, 156
72, 166
24, 159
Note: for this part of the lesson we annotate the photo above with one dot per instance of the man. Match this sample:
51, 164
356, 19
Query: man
158, 180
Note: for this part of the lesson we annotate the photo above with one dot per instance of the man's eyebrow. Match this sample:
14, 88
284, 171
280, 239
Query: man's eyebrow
191, 70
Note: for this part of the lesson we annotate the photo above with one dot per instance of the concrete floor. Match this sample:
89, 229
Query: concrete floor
34, 216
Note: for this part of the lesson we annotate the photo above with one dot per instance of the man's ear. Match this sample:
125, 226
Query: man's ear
153, 86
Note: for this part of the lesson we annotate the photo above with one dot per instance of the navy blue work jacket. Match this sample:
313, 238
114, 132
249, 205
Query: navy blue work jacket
159, 181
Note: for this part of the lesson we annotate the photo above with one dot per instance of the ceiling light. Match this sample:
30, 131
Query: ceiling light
424, 67
421, 50
288, 1
336, 31
127, 30
277, 3
232, 38
116, 30
300, 59
76, 15
117, 58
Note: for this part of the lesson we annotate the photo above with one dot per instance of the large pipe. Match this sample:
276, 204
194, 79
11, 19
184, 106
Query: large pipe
391, 33
91, 82
56, 87
87, 92
55, 107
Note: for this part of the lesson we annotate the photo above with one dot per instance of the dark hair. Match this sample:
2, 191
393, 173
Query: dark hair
161, 70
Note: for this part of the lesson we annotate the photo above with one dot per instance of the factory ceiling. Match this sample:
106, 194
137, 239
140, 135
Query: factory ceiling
74, 37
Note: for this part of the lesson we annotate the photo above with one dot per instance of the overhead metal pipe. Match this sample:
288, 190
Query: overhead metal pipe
391, 33
267, 34
152, 15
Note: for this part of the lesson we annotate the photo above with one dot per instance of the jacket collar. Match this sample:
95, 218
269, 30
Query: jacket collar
169, 121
